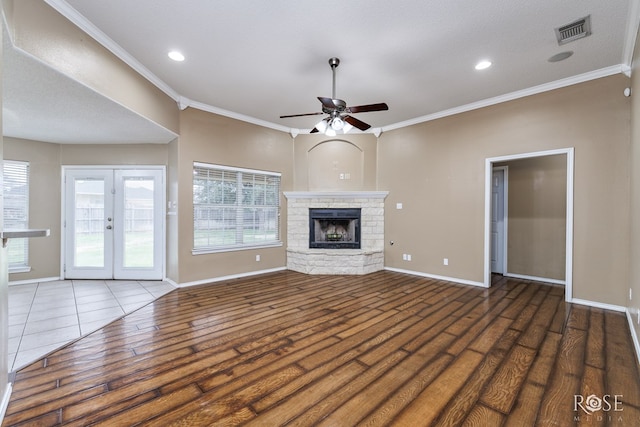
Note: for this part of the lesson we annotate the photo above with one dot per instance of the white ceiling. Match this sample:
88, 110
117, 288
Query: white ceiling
256, 60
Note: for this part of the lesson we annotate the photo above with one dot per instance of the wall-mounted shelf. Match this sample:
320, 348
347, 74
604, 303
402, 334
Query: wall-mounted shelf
21, 234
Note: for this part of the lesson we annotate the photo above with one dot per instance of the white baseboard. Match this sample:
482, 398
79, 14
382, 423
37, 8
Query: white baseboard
536, 279
634, 336
4, 403
29, 281
596, 304
437, 277
171, 282
223, 278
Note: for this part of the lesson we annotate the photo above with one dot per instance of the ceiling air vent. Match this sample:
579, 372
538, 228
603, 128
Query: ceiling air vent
574, 31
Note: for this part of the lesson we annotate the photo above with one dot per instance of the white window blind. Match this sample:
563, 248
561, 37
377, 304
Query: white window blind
234, 208
16, 210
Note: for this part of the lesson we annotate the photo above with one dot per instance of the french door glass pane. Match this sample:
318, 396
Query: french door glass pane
89, 223
138, 222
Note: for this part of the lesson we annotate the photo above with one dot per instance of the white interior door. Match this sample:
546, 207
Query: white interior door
113, 224
498, 220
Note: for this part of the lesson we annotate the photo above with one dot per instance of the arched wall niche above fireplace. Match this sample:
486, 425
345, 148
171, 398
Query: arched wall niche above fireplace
335, 165
343, 163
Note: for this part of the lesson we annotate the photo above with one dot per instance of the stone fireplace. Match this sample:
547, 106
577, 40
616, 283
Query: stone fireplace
322, 228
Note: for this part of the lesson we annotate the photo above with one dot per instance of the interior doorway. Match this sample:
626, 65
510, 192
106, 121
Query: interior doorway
568, 238
113, 223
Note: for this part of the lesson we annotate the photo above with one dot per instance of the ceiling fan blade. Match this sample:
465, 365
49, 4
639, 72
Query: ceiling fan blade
300, 115
356, 123
327, 102
366, 108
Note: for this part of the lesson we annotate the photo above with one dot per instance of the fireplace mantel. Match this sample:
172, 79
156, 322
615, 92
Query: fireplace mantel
368, 259
335, 194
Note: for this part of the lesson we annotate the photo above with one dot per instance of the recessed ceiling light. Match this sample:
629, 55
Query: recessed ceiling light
482, 65
176, 56
560, 56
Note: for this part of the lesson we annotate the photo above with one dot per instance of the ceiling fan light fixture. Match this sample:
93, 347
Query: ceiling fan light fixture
322, 126
337, 123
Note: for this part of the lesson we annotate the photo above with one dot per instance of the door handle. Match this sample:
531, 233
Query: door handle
109, 227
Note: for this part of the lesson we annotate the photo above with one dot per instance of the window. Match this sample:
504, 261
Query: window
234, 208
16, 211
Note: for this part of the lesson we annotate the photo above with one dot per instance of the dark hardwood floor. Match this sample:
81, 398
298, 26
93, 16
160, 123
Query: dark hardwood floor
381, 349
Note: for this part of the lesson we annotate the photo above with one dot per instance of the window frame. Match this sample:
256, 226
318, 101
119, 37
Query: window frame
24, 174
236, 196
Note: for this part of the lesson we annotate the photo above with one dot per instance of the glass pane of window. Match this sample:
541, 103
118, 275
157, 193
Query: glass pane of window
16, 209
138, 222
89, 223
234, 207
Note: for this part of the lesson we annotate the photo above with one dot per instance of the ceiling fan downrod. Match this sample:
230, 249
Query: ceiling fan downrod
334, 62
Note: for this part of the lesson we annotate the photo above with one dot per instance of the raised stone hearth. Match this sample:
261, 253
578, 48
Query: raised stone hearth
367, 259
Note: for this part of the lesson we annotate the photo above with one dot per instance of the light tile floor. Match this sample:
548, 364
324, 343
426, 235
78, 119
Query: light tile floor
47, 315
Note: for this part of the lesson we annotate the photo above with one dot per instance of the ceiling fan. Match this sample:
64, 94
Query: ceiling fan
338, 119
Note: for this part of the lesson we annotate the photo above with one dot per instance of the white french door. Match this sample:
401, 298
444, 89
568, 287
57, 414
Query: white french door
113, 224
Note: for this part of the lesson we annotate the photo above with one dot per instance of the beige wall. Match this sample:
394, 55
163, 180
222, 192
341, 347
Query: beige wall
173, 242
44, 204
436, 169
110, 154
634, 283
44, 33
537, 201
210, 138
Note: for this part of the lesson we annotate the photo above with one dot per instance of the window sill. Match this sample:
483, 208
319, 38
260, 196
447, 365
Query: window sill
23, 269
234, 248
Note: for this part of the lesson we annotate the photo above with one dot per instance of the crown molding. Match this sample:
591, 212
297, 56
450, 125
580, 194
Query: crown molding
222, 112
81, 22
581, 78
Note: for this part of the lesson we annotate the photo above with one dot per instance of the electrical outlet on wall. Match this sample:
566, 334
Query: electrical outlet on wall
445, 261
408, 257
630, 294
257, 257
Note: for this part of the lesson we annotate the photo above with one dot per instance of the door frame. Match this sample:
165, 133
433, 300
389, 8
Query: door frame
569, 152
505, 214
163, 207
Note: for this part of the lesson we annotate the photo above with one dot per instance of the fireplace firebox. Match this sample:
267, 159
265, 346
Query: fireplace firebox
334, 228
